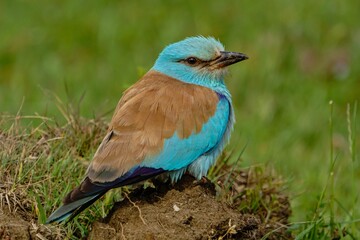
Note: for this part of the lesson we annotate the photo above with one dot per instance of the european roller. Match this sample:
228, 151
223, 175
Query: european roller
177, 118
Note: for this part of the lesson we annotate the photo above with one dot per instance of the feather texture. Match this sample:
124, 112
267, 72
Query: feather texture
150, 112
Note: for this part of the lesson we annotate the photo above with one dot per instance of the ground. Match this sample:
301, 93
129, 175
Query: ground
189, 209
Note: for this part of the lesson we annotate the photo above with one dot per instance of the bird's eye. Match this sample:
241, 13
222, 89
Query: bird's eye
191, 60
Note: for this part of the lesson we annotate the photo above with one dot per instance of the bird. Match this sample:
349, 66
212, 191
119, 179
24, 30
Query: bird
176, 119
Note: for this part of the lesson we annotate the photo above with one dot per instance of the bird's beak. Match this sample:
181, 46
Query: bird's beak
228, 58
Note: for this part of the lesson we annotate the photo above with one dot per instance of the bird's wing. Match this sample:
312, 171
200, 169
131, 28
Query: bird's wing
160, 122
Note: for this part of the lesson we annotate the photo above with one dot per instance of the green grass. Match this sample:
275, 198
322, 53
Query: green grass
302, 55
40, 164
324, 223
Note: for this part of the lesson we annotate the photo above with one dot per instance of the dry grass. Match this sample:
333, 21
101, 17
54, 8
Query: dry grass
39, 165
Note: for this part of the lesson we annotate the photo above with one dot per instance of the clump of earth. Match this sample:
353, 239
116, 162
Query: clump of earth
189, 209
192, 210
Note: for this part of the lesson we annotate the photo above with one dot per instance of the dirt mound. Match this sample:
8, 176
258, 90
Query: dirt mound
187, 210
241, 205
13, 226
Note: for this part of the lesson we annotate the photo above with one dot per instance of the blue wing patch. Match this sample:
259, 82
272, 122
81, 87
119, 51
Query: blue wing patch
178, 154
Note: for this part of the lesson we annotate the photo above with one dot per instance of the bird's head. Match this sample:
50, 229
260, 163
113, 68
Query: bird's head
198, 60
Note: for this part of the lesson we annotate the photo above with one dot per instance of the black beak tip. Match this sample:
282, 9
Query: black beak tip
244, 57
229, 58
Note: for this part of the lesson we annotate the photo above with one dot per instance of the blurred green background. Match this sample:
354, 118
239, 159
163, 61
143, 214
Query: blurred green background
302, 55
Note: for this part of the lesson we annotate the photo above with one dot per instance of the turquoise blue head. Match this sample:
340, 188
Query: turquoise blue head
198, 60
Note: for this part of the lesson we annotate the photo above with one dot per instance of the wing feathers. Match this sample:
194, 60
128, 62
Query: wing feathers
88, 192
156, 109
151, 111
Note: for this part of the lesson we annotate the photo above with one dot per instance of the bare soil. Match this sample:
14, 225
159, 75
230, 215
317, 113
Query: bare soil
187, 210
14, 226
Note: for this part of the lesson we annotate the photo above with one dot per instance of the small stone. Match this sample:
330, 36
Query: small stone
176, 208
